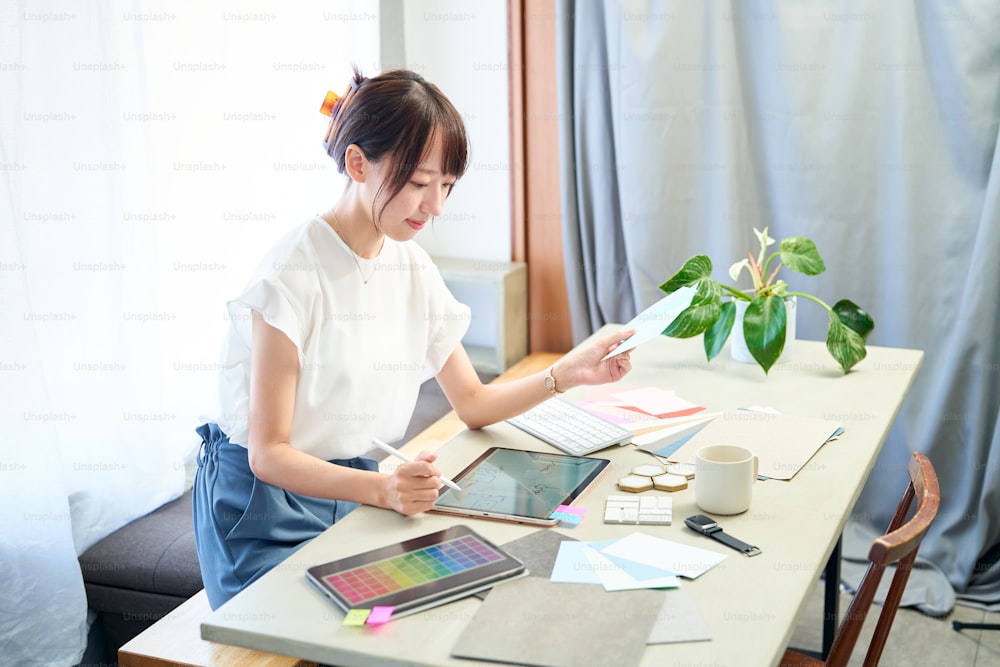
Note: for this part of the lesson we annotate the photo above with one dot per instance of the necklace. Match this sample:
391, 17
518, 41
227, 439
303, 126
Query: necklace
364, 279
354, 255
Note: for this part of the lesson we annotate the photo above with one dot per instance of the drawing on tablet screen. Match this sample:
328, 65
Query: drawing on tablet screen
486, 502
520, 483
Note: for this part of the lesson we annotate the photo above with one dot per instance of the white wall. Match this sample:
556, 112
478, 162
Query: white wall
461, 47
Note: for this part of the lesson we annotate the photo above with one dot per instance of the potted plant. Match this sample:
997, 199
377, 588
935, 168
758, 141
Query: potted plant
765, 320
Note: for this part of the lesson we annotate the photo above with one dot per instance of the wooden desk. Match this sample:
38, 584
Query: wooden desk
749, 605
176, 638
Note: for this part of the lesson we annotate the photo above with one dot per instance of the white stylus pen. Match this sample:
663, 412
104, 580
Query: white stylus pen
400, 455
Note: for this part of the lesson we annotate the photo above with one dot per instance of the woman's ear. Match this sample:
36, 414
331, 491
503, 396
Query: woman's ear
356, 163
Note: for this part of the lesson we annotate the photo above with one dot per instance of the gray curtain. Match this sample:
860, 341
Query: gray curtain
869, 127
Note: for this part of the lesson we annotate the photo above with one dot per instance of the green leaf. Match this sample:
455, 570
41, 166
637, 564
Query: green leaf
764, 329
696, 268
708, 290
844, 343
700, 314
800, 254
716, 335
854, 317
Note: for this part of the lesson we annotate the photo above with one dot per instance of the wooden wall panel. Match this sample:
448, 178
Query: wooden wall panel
515, 70
538, 233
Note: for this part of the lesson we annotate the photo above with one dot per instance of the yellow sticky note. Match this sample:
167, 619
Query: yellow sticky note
357, 616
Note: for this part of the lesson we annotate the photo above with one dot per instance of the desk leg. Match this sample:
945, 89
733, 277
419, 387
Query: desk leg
831, 598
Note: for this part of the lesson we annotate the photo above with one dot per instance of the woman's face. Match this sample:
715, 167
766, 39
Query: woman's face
421, 197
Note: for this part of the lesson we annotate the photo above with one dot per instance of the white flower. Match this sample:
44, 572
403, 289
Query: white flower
734, 270
764, 239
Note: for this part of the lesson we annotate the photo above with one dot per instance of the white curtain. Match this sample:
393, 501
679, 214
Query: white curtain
149, 153
869, 127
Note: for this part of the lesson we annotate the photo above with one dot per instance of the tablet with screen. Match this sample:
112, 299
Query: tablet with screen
423, 572
517, 485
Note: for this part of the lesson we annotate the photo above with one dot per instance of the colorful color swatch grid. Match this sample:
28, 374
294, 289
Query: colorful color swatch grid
372, 581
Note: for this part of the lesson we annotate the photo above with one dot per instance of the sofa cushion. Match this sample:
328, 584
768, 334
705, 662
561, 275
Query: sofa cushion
153, 554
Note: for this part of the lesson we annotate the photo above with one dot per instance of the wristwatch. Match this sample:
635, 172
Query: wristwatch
710, 528
550, 382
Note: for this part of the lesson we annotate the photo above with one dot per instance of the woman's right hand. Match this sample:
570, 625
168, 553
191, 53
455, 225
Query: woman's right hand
413, 487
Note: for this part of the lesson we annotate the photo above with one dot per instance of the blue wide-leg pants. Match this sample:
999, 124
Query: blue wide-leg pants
243, 526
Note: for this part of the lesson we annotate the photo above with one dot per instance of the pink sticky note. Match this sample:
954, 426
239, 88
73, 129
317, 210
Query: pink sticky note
380, 615
566, 509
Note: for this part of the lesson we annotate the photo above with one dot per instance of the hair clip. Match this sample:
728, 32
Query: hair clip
329, 102
333, 106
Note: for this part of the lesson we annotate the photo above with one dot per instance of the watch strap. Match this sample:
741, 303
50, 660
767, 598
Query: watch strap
721, 536
550, 381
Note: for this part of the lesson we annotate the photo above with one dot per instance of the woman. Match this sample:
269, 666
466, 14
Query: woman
332, 337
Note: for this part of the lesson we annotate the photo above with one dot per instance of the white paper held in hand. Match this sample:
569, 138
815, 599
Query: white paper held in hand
651, 322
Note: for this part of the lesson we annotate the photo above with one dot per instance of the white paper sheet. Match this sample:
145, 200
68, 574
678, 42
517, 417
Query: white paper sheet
686, 561
615, 578
651, 322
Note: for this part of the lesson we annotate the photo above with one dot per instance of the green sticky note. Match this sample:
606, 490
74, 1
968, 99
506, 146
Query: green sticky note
357, 616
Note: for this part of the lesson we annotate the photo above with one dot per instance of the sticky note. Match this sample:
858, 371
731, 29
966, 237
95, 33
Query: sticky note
380, 615
569, 515
357, 616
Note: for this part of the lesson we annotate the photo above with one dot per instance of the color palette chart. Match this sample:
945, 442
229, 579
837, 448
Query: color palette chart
361, 584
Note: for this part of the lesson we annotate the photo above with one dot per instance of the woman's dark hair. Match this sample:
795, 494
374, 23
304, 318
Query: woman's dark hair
395, 115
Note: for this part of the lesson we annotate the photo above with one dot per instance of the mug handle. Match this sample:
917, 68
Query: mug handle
756, 468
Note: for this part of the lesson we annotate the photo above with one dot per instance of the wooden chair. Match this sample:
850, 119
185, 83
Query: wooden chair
898, 545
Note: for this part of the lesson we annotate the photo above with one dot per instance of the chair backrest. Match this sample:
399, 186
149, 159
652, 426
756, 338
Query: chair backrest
898, 545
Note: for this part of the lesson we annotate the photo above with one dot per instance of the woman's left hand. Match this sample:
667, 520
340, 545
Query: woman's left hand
587, 365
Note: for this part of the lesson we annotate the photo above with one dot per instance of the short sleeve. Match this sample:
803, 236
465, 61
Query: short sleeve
449, 320
275, 305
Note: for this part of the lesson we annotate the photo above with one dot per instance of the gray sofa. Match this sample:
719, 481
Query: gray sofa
139, 573
142, 571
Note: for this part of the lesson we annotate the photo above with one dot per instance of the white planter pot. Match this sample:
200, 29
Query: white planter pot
738, 346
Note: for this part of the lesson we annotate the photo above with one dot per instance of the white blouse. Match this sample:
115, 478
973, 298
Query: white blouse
364, 348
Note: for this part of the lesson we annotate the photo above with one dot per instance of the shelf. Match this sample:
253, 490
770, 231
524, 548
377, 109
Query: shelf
497, 293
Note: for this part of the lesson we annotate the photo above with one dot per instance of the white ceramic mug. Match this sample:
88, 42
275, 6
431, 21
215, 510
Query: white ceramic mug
724, 478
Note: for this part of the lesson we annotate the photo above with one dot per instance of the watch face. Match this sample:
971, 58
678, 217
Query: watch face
700, 522
549, 382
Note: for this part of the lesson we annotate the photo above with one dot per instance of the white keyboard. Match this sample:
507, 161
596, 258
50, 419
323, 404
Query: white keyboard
570, 428
652, 510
